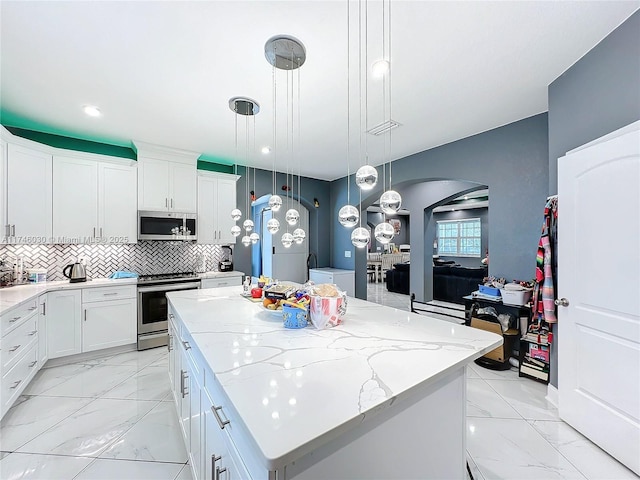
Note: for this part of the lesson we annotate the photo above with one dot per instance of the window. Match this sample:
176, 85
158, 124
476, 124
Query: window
459, 238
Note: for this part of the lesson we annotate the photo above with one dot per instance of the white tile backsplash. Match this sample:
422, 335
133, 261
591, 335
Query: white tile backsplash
103, 259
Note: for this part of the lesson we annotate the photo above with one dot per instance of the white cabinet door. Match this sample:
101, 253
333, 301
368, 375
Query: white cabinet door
225, 202
42, 330
206, 210
182, 196
108, 324
174, 361
64, 337
75, 200
29, 184
184, 404
214, 451
117, 199
195, 455
153, 184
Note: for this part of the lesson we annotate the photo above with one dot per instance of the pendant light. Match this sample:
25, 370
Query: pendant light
348, 215
365, 178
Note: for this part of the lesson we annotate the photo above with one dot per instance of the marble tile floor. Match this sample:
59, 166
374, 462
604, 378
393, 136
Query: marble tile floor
111, 417
513, 432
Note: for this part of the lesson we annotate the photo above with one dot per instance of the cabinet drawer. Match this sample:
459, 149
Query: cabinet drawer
18, 341
108, 293
220, 282
16, 379
13, 317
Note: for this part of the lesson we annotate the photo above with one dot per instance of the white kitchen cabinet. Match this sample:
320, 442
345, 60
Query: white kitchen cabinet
344, 279
108, 324
28, 176
3, 188
64, 312
166, 186
216, 199
229, 281
43, 355
93, 201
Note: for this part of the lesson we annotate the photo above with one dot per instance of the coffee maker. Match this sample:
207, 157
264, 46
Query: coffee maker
226, 265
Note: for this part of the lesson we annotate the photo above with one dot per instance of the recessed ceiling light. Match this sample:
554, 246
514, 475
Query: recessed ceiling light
265, 150
92, 110
379, 68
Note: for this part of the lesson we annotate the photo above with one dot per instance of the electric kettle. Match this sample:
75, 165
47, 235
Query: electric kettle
75, 272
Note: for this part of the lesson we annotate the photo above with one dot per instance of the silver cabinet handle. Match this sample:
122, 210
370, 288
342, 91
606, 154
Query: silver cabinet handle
7, 230
215, 234
171, 316
44, 309
13, 230
186, 345
219, 471
33, 364
221, 423
94, 232
170, 343
222, 284
14, 319
166, 202
183, 388
14, 348
15, 385
563, 302
85, 315
32, 333
100, 232
172, 203
214, 459
109, 294
31, 309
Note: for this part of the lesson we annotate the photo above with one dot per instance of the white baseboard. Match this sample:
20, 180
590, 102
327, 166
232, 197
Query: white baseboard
552, 395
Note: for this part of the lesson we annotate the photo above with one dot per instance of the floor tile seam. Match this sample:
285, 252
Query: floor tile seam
55, 424
469, 456
494, 417
141, 460
54, 455
124, 380
506, 401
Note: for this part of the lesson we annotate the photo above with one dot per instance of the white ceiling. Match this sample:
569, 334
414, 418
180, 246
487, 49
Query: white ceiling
163, 72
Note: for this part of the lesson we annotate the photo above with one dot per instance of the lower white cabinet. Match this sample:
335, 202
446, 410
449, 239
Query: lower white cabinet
64, 318
344, 279
90, 319
221, 282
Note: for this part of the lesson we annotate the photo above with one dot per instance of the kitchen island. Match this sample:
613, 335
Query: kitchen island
381, 396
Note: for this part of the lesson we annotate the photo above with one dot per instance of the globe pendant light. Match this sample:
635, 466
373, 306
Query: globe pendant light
248, 224
236, 230
236, 214
287, 240
366, 177
384, 233
292, 216
246, 241
273, 225
275, 202
254, 237
360, 237
348, 216
390, 202
299, 236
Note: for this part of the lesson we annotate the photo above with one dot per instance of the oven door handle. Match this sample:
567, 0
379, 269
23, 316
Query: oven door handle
166, 288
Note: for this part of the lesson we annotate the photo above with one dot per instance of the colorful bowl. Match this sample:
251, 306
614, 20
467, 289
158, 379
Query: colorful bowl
294, 317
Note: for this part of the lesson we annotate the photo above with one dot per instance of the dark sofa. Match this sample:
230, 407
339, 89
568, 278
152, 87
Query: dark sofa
398, 278
451, 283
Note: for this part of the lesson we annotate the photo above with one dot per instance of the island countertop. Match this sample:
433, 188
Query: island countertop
298, 389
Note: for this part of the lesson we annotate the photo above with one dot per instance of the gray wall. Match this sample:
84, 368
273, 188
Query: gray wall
512, 161
318, 235
374, 218
483, 215
599, 94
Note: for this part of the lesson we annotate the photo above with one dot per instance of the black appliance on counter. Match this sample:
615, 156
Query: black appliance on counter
226, 265
152, 305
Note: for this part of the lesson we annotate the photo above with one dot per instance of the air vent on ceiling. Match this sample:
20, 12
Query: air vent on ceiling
383, 127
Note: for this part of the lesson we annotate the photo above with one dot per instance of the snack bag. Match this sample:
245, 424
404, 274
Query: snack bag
327, 311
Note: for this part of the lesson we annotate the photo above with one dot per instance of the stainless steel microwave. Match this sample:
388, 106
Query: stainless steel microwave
166, 226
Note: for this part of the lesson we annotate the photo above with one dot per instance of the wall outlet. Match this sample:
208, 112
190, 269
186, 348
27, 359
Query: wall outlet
347, 254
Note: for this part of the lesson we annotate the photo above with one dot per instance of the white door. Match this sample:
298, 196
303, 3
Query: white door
225, 202
75, 200
29, 185
599, 275
64, 335
183, 187
153, 184
117, 203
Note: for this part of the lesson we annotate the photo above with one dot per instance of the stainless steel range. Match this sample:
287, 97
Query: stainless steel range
152, 305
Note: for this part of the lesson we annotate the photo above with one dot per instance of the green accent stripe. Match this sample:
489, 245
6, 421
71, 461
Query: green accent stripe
76, 144
214, 167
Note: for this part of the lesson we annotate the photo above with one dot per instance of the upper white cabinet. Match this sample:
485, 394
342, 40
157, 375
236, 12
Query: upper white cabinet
94, 200
166, 179
28, 176
216, 199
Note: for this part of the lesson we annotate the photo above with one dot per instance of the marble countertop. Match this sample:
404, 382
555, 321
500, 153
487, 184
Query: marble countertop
298, 389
